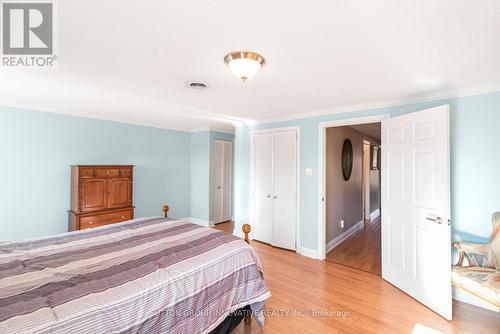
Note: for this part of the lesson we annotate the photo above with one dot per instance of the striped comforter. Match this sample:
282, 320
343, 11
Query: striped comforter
149, 275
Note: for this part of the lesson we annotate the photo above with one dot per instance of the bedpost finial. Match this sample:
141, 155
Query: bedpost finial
165, 210
246, 229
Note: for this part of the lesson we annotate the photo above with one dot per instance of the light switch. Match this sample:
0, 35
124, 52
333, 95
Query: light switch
309, 172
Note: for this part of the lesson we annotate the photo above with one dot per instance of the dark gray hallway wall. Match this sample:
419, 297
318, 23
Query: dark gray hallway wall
344, 198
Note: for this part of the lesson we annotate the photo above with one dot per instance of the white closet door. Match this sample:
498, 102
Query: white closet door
263, 187
218, 155
227, 163
285, 188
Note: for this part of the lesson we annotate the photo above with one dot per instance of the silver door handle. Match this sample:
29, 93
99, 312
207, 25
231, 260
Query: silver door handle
438, 220
275, 196
268, 196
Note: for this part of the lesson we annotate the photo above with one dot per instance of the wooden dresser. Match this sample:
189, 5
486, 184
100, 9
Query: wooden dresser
100, 195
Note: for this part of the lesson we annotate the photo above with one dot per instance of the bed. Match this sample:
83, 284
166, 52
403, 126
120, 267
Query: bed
147, 275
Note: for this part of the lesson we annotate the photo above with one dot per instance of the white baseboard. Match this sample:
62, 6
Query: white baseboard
375, 214
213, 222
197, 221
308, 252
304, 251
466, 297
338, 240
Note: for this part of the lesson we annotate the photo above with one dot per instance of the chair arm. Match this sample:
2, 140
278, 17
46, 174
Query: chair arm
465, 249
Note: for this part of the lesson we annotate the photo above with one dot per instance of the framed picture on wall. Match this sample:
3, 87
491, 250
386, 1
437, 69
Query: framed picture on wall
374, 158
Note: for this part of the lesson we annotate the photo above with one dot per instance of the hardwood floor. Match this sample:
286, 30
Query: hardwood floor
226, 227
361, 250
299, 284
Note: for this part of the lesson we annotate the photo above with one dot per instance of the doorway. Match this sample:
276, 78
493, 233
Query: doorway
416, 203
352, 197
222, 181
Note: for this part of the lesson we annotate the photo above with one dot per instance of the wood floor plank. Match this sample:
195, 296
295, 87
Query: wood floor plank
362, 250
375, 306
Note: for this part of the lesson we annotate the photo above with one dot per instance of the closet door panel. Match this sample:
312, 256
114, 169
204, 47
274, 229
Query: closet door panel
285, 188
284, 224
218, 155
227, 178
263, 187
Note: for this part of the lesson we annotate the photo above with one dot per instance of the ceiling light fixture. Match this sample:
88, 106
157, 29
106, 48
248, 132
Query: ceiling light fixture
244, 64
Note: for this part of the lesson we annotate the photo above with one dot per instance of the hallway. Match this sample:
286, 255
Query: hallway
361, 250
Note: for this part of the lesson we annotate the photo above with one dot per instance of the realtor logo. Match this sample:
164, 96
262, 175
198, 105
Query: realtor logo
28, 34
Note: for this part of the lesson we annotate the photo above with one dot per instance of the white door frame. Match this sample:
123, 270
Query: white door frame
252, 179
321, 170
363, 182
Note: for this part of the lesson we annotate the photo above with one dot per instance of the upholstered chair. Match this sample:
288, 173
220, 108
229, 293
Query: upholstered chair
481, 275
482, 255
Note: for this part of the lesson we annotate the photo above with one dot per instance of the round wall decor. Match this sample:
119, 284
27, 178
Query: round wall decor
347, 159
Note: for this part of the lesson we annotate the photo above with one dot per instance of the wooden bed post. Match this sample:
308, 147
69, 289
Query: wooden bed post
246, 229
165, 210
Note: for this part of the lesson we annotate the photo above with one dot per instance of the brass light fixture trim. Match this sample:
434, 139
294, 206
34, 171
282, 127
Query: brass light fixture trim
244, 55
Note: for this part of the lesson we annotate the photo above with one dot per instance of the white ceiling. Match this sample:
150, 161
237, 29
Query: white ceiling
370, 129
130, 60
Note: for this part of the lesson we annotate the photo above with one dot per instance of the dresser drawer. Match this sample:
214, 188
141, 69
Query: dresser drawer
107, 172
105, 219
126, 172
86, 172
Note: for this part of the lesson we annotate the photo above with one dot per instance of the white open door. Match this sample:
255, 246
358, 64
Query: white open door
416, 238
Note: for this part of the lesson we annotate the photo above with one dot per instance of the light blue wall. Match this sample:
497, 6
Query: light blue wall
200, 175
475, 161
36, 150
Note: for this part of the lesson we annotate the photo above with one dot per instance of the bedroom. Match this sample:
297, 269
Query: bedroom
225, 153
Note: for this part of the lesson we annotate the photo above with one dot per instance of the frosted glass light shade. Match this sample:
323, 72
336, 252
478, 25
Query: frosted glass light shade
244, 64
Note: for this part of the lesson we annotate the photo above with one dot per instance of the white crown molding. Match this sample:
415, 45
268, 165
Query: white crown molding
213, 129
221, 130
202, 129
82, 93
386, 103
51, 95
94, 116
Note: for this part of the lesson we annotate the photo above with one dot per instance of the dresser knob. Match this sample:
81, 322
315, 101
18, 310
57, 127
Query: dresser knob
91, 222
123, 217
107, 172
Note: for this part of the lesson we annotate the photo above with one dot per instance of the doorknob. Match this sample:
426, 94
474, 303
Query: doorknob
218, 187
268, 196
438, 220
275, 196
